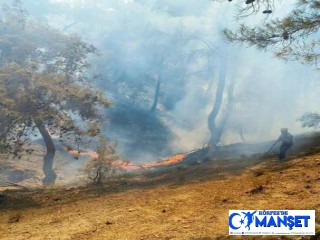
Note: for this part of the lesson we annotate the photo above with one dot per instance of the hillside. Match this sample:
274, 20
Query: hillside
183, 202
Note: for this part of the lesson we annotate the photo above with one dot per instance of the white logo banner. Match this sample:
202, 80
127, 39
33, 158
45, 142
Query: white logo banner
271, 222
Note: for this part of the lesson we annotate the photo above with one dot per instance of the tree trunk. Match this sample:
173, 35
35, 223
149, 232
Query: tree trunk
214, 139
210, 70
97, 178
227, 112
156, 96
50, 175
241, 134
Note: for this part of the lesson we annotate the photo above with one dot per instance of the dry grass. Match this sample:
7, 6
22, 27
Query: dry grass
189, 202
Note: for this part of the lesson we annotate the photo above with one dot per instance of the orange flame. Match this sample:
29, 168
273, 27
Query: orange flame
83, 154
129, 165
168, 161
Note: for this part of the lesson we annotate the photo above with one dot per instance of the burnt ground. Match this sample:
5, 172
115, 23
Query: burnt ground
187, 201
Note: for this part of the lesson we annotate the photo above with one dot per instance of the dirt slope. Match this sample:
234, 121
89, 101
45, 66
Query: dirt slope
190, 202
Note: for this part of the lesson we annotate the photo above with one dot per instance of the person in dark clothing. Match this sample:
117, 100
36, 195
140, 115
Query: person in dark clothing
287, 141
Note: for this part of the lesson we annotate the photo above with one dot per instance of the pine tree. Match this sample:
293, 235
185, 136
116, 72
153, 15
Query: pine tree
43, 87
294, 37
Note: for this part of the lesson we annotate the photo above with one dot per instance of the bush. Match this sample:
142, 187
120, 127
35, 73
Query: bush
102, 168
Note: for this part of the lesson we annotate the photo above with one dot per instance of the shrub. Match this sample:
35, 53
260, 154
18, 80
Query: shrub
102, 168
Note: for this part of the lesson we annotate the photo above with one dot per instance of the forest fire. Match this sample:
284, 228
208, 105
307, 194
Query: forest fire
126, 165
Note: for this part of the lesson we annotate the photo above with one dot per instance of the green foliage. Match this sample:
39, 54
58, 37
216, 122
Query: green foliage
292, 38
310, 120
100, 169
43, 78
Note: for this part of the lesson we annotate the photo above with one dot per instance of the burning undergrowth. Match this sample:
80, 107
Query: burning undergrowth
127, 165
105, 163
75, 167
70, 163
